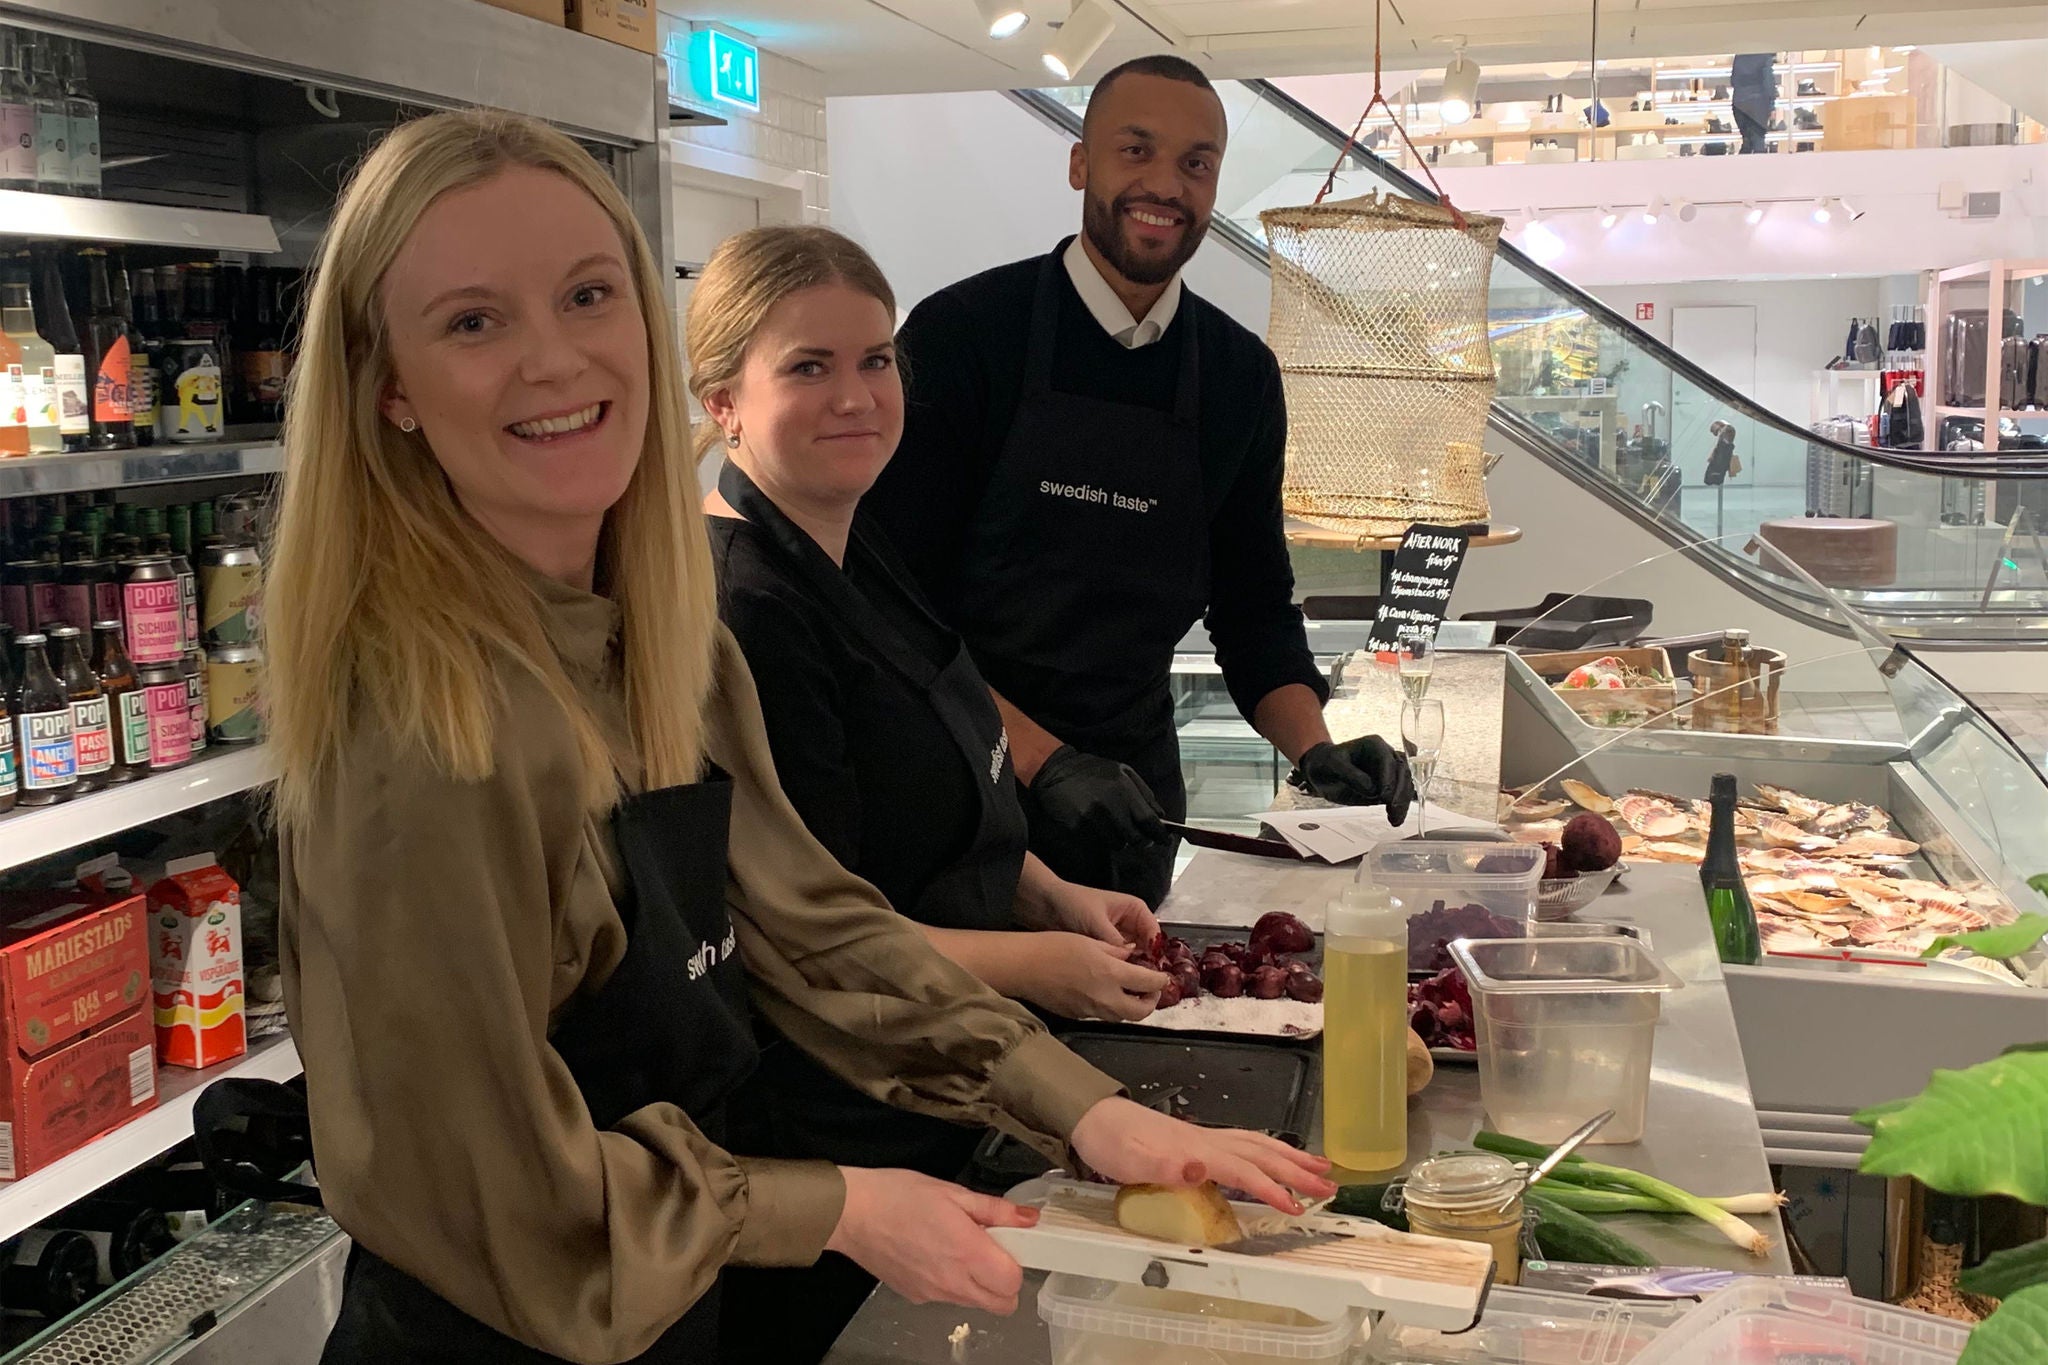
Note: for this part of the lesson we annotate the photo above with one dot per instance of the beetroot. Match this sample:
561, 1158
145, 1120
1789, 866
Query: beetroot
1188, 978
1267, 983
1303, 984
1280, 932
1553, 863
1225, 982
1590, 843
1170, 994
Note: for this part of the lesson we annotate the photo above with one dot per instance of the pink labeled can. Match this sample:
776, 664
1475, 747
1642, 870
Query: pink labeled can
169, 708
153, 610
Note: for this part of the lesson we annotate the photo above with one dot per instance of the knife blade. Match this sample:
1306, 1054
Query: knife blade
1224, 842
1272, 1243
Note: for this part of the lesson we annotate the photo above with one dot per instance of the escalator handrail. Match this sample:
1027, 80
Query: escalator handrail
2009, 466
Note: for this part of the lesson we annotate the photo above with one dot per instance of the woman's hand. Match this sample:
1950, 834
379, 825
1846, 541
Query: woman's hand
927, 1239
1110, 916
1086, 978
1131, 1145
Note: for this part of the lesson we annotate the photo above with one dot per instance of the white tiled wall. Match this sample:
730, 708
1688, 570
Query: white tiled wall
788, 134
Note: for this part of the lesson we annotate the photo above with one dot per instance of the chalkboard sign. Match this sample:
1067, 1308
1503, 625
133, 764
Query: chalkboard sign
1416, 588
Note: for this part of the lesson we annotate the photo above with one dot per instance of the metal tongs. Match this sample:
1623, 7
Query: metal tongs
1564, 1149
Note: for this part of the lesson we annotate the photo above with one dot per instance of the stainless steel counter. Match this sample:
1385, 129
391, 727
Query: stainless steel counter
1702, 1125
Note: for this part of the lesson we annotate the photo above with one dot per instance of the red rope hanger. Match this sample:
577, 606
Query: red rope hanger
1380, 100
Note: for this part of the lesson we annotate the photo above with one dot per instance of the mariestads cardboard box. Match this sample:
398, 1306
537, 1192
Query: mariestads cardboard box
630, 23
547, 11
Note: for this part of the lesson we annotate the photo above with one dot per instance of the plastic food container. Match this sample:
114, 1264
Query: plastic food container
1565, 1028
1102, 1322
1759, 1322
1448, 890
1528, 1327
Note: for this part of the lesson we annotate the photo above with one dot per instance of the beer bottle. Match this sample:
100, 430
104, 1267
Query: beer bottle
53, 116
38, 362
127, 705
92, 736
141, 370
74, 394
262, 351
107, 356
82, 116
17, 118
14, 398
42, 726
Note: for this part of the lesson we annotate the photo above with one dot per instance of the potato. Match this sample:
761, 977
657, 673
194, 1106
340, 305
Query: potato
1191, 1215
1421, 1066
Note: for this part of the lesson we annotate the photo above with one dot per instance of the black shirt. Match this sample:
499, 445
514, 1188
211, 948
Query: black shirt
962, 352
861, 754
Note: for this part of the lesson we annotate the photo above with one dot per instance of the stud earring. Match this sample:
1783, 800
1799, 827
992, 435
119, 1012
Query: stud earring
732, 438
407, 424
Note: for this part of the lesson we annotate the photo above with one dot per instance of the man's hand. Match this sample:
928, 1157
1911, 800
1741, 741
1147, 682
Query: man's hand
1359, 772
1097, 798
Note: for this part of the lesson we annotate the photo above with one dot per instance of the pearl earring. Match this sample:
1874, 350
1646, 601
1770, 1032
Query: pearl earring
407, 424
732, 438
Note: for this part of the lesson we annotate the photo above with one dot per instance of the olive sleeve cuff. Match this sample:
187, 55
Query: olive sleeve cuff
792, 1209
1044, 1085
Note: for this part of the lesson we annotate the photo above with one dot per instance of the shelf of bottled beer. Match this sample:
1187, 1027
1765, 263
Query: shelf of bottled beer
26, 1202
27, 834
164, 462
117, 222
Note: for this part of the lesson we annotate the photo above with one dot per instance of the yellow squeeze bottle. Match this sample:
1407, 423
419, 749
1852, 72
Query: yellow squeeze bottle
1365, 1031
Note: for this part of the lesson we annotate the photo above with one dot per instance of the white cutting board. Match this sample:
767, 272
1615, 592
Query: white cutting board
1422, 1281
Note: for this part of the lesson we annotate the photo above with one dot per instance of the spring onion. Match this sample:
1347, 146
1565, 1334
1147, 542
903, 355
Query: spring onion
1591, 1174
1590, 1199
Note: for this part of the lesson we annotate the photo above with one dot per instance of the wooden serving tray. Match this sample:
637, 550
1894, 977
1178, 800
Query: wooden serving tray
1422, 1281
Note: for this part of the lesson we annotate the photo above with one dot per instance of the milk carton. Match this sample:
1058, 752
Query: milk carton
195, 963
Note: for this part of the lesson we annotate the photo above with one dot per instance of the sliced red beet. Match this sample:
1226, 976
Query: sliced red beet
1225, 982
1267, 983
1279, 932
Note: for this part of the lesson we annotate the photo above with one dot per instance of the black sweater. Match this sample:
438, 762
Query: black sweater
962, 353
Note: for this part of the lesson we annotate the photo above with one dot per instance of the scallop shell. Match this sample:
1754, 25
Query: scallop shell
1667, 851
1653, 817
1538, 810
1851, 816
1800, 809
1876, 846
1773, 884
1537, 832
1814, 902
1794, 941
1778, 832
1931, 893
1588, 797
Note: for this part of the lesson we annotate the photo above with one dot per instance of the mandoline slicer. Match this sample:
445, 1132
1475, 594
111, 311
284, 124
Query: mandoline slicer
1421, 1281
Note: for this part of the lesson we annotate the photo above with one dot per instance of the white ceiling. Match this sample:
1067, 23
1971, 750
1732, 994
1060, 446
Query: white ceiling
892, 46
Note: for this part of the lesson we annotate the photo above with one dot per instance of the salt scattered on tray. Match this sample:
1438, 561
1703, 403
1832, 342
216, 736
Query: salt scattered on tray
1265, 1018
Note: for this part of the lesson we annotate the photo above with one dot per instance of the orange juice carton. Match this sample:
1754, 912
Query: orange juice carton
195, 960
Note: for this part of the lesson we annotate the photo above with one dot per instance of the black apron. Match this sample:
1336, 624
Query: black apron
1087, 562
794, 1107
670, 1024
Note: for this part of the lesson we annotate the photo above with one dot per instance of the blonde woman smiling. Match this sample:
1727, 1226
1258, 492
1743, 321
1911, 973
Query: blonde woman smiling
537, 867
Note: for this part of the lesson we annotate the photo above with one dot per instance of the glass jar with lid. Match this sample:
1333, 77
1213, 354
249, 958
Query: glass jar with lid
1469, 1197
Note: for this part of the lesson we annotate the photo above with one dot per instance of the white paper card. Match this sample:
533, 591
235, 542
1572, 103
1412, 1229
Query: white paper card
1337, 834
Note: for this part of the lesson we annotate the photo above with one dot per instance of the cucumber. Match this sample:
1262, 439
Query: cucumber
1565, 1235
1363, 1201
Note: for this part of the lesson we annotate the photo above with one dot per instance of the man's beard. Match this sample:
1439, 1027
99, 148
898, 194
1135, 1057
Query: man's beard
1103, 221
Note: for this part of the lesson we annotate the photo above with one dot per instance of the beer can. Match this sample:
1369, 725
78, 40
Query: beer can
192, 667
169, 706
152, 610
190, 389
232, 672
230, 577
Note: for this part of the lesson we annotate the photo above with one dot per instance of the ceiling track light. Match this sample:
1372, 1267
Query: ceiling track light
1753, 212
1687, 210
1079, 38
1823, 211
1653, 210
1003, 18
1460, 97
1608, 217
1849, 210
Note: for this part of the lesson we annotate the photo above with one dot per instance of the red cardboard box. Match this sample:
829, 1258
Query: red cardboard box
195, 960
77, 1051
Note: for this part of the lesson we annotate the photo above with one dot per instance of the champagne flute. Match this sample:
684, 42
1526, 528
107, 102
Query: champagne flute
1415, 648
1422, 737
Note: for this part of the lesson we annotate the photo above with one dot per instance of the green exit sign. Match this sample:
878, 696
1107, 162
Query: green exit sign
725, 69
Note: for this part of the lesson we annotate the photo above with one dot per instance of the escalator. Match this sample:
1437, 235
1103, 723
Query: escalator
1630, 421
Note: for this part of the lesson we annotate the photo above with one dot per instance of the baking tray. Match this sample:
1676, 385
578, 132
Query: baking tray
1220, 1082
1271, 1021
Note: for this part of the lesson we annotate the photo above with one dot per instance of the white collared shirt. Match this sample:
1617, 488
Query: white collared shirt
1109, 310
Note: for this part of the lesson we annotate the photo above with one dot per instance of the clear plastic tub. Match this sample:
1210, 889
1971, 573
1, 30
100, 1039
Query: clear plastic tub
1565, 1028
1525, 1327
1762, 1322
1102, 1322
1447, 890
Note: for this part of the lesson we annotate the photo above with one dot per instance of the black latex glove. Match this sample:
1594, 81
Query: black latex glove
1359, 772
1097, 798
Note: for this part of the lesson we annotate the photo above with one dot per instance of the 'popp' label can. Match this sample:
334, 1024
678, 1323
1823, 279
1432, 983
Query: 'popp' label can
170, 715
152, 610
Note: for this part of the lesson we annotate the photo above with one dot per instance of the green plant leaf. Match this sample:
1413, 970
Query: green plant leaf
2007, 940
2039, 881
2006, 1273
2017, 1334
1973, 1132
